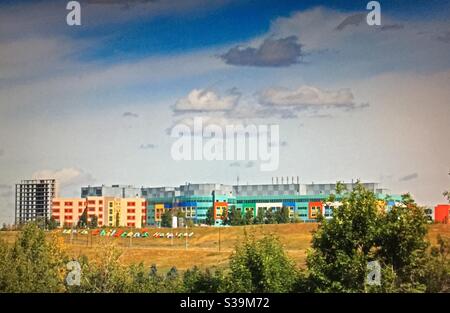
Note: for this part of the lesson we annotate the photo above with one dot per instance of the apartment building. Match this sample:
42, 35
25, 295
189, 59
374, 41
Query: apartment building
110, 211
33, 199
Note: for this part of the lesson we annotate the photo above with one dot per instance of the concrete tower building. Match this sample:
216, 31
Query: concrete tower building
34, 199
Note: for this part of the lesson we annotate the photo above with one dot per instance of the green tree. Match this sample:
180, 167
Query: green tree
106, 274
235, 217
172, 281
401, 243
248, 217
259, 219
282, 215
166, 219
359, 233
52, 223
269, 216
32, 264
83, 221
211, 280
94, 222
210, 217
261, 266
341, 246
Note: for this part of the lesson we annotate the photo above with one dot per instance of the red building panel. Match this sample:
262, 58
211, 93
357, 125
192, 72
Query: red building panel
441, 213
219, 204
314, 208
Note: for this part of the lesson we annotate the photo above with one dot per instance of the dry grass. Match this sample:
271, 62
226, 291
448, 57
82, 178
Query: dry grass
203, 247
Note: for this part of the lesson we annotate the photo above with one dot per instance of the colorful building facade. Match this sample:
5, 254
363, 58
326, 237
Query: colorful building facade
110, 211
303, 201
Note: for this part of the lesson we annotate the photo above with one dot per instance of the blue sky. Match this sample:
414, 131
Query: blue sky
93, 104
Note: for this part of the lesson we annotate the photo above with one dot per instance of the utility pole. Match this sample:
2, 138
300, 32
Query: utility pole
219, 238
186, 238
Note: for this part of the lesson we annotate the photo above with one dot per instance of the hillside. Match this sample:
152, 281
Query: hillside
202, 248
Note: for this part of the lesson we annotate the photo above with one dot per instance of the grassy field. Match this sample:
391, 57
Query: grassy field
203, 247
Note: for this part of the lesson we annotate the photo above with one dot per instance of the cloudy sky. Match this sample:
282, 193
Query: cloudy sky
95, 103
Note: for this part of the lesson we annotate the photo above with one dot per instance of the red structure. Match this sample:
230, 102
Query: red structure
314, 208
441, 213
220, 210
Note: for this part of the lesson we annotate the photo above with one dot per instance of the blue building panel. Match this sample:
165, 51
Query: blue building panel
187, 204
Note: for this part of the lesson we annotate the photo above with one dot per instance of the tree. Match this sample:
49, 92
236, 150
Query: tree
269, 217
211, 280
94, 222
401, 241
52, 223
235, 217
106, 274
166, 219
259, 219
437, 268
282, 215
341, 246
210, 217
261, 266
359, 233
248, 217
189, 223
82, 222
172, 281
33, 263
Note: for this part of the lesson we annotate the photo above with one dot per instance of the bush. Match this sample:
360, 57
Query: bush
195, 280
261, 266
32, 264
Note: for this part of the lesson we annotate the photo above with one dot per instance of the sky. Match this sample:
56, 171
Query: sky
95, 104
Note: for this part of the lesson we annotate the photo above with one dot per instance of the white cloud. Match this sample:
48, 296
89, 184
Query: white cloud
271, 103
307, 96
203, 100
66, 177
